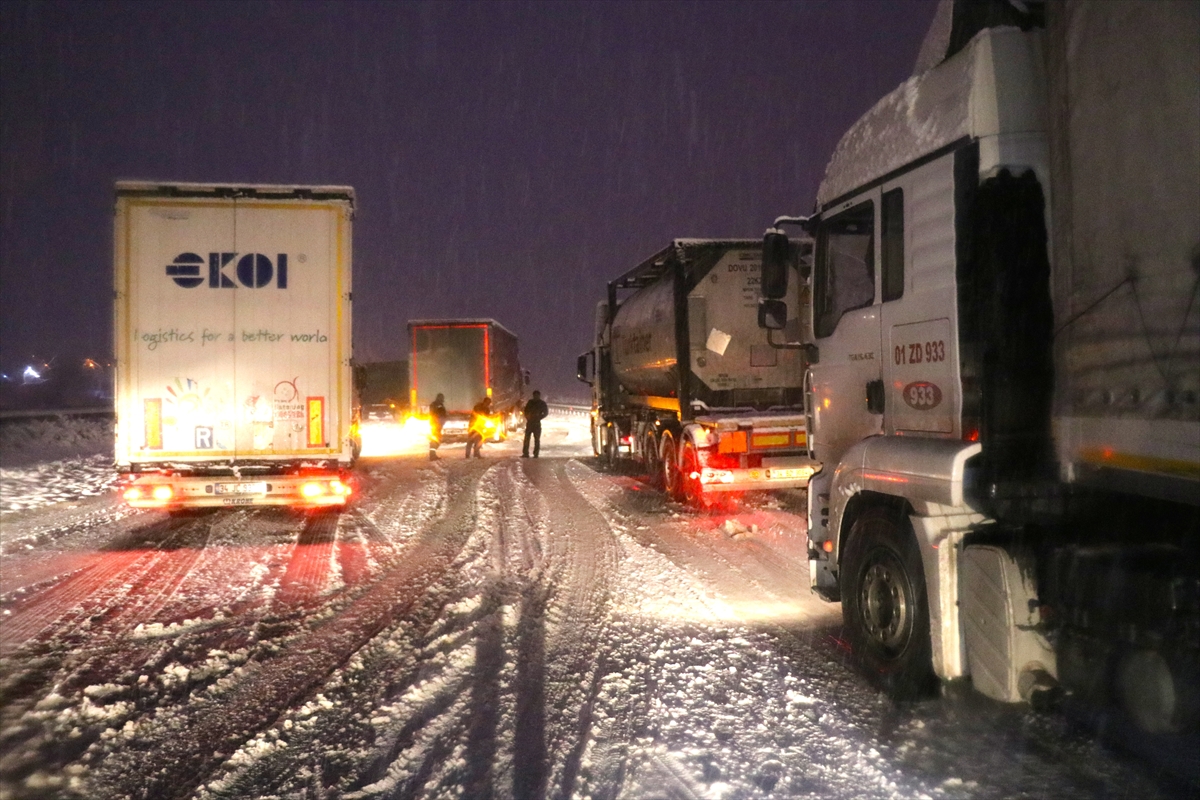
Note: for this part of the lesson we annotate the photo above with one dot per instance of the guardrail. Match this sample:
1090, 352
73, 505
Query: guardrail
51, 413
565, 410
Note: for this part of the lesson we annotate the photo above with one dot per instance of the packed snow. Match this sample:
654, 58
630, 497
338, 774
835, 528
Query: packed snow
498, 627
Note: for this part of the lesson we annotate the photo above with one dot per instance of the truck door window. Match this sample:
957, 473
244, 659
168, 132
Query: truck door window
845, 266
891, 243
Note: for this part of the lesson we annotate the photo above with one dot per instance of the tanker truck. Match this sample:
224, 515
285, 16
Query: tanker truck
686, 385
1005, 394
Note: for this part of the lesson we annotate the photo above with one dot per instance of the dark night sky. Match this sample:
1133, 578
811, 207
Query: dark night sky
508, 159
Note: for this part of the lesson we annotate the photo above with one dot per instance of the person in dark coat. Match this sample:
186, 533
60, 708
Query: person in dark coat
477, 428
437, 419
535, 411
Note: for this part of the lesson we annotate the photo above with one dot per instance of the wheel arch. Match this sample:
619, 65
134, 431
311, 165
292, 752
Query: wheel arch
937, 538
862, 502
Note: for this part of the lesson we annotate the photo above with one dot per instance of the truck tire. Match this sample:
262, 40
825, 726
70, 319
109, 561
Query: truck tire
689, 487
612, 446
653, 467
885, 609
670, 467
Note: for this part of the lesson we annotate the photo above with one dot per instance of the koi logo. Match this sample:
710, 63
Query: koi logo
252, 270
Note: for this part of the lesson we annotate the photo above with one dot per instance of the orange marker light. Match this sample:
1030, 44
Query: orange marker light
312, 489
162, 493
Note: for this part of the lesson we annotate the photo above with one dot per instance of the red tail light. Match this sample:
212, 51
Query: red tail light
722, 461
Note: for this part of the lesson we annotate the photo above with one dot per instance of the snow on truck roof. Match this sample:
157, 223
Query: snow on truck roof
678, 251
458, 322
983, 90
256, 190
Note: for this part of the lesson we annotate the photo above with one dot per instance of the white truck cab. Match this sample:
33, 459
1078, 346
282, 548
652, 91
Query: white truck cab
962, 311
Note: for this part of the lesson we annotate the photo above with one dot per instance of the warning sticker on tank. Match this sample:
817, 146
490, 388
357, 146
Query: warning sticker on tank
718, 341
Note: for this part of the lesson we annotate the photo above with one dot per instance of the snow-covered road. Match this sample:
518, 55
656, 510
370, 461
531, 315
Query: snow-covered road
498, 627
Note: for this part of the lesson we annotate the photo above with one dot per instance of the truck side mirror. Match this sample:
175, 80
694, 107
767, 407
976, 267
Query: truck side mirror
581, 369
772, 314
776, 258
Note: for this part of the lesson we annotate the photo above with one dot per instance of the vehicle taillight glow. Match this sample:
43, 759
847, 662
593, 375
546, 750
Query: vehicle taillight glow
325, 491
162, 493
133, 493
722, 461
716, 476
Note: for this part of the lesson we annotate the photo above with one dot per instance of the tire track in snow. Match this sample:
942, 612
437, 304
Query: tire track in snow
183, 747
310, 563
469, 674
581, 555
95, 589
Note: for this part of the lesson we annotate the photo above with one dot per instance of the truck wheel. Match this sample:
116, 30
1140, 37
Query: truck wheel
885, 610
690, 488
670, 467
653, 468
612, 446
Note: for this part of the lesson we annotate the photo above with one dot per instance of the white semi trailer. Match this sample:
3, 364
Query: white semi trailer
1006, 390
686, 384
232, 338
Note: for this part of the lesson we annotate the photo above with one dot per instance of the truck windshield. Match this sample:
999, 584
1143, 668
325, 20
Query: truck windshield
845, 266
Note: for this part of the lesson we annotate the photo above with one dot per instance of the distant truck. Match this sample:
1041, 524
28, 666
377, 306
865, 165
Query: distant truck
466, 360
232, 341
686, 384
382, 388
1006, 398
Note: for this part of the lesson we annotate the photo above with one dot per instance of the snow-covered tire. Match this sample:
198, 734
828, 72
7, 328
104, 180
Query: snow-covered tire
885, 609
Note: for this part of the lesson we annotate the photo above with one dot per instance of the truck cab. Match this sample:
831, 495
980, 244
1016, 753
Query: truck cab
965, 313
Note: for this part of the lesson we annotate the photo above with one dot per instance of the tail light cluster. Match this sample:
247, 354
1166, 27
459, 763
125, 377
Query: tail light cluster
722, 461
326, 490
159, 493
321, 491
708, 475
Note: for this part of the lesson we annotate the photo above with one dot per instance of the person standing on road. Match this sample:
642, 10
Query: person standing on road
477, 428
535, 411
437, 419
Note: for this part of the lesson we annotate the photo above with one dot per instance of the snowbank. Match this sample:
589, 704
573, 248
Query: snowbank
46, 461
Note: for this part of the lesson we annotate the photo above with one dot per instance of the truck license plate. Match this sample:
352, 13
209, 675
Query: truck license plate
787, 474
258, 487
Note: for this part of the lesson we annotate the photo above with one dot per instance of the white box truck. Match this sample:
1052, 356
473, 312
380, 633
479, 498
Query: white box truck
232, 340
